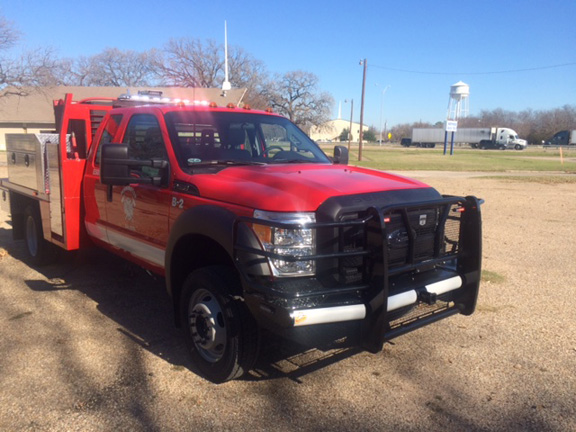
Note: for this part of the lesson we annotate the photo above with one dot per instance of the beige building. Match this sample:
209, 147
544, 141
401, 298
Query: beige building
331, 130
34, 112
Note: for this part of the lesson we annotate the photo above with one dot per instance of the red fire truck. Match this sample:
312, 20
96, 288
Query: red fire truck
250, 223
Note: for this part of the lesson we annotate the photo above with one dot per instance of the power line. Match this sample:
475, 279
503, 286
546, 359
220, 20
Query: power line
475, 73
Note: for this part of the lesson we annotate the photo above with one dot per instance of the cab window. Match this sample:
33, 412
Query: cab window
108, 134
144, 138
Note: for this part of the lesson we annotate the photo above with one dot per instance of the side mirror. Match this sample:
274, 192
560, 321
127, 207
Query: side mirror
340, 155
116, 167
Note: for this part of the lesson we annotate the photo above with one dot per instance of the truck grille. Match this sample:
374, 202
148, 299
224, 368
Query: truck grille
411, 236
416, 235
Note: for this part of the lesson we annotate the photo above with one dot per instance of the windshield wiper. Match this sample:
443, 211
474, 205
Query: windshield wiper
294, 161
214, 162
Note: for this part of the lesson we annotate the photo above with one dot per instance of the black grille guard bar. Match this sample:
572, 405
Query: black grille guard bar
374, 215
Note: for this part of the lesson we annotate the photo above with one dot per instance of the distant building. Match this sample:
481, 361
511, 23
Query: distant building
34, 113
331, 130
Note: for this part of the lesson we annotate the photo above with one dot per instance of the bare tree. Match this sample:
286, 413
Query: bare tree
31, 69
295, 95
114, 68
9, 36
544, 124
247, 72
192, 63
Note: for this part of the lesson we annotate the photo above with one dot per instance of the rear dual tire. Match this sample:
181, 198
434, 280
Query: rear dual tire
40, 252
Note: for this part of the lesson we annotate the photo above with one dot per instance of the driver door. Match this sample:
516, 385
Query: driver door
138, 213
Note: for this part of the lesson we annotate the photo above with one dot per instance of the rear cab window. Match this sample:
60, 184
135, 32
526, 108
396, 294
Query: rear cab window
110, 130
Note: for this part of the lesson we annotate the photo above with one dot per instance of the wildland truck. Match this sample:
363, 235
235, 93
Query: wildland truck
251, 225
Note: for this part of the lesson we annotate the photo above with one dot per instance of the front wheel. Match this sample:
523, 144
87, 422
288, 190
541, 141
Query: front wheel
221, 334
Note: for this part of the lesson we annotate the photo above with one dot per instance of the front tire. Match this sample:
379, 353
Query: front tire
221, 334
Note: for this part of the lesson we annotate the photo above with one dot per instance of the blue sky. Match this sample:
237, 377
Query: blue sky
417, 48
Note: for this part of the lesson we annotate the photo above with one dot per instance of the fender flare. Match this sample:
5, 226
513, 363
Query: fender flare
210, 221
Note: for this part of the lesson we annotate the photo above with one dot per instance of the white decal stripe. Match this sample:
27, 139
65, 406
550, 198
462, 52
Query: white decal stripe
97, 231
147, 252
328, 315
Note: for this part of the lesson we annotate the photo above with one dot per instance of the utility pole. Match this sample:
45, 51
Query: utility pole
365, 63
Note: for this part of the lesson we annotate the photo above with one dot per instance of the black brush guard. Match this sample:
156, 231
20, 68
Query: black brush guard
368, 256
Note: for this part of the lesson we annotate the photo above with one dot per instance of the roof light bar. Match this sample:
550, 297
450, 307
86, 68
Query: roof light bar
157, 98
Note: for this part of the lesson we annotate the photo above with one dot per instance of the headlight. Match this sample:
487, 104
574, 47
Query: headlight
291, 242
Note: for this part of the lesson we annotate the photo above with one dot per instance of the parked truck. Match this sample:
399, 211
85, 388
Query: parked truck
483, 138
251, 225
565, 137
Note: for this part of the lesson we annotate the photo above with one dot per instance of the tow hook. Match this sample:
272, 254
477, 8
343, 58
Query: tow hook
427, 297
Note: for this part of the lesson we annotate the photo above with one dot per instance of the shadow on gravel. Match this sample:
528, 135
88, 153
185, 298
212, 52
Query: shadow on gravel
303, 352
123, 292
138, 303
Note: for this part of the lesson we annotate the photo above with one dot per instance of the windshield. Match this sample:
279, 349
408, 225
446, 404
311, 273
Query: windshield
213, 138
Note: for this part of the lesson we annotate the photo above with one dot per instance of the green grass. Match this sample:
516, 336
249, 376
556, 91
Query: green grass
546, 180
492, 277
463, 159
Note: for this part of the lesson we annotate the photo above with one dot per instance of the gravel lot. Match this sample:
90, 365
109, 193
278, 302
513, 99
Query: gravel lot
89, 345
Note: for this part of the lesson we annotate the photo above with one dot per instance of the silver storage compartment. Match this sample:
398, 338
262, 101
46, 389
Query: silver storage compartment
27, 160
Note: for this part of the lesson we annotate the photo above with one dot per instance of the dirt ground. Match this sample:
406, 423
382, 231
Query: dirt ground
89, 345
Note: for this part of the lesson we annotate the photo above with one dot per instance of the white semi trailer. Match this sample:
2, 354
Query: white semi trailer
483, 138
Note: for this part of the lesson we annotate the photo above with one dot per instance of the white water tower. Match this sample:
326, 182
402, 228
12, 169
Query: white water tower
458, 102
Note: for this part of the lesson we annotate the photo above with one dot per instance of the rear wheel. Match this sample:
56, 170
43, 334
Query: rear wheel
39, 250
220, 332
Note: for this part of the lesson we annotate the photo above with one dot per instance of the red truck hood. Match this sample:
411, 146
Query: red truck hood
295, 187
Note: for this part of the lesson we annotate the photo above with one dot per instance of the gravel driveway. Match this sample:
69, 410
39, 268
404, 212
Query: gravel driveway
89, 345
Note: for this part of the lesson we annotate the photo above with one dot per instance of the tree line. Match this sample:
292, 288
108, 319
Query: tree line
535, 126
184, 62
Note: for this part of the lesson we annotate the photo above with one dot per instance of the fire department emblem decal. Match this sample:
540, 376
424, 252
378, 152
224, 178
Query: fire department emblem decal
422, 221
129, 202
